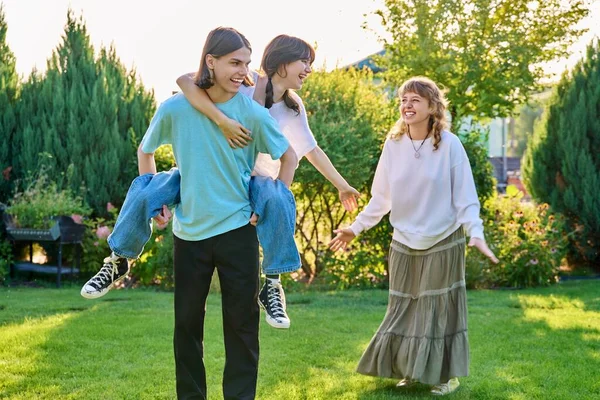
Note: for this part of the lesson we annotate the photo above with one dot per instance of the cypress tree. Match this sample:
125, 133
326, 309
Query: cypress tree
9, 85
90, 114
562, 164
25, 144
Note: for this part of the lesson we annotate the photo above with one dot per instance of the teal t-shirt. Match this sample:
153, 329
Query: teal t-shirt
215, 178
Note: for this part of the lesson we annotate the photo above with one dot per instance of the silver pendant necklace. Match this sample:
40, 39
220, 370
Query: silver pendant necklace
417, 155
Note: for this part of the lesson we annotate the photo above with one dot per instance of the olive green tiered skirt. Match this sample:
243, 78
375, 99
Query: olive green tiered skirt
424, 333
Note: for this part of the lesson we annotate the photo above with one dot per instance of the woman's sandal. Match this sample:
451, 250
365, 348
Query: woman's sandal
443, 389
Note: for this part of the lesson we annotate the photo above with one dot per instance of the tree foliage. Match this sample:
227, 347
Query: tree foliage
483, 170
86, 110
9, 86
487, 53
349, 116
562, 163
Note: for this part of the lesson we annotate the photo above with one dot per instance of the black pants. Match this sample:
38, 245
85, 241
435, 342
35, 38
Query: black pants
235, 255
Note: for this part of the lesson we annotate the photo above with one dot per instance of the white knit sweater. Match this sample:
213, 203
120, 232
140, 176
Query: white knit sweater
429, 197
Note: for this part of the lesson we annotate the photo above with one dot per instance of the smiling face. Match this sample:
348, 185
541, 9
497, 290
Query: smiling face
414, 109
293, 74
229, 70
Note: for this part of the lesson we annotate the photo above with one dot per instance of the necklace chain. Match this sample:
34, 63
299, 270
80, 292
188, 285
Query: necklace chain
417, 155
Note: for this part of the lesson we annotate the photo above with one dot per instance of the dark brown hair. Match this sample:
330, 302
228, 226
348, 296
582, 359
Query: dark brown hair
219, 42
283, 50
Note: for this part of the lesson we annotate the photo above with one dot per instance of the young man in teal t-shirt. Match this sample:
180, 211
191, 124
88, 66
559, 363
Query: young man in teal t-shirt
211, 224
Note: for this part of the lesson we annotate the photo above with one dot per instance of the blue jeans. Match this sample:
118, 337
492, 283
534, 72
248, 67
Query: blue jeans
270, 199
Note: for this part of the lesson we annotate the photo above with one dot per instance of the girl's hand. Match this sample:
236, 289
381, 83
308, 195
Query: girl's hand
254, 219
482, 246
344, 236
348, 198
162, 219
236, 134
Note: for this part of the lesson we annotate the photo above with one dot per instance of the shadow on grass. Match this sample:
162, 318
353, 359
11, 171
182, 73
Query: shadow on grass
45, 303
515, 355
386, 389
520, 348
113, 348
542, 343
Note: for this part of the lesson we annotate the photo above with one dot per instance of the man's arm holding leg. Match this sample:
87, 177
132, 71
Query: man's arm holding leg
146, 163
289, 161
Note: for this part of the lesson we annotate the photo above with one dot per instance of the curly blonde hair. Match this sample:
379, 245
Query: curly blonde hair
427, 89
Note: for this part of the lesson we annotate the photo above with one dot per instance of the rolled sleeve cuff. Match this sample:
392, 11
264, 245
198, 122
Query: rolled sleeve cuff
356, 228
477, 232
147, 147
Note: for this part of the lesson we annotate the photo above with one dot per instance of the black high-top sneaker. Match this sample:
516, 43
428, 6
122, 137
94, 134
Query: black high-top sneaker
115, 269
272, 299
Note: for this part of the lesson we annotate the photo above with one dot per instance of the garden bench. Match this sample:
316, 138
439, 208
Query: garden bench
65, 232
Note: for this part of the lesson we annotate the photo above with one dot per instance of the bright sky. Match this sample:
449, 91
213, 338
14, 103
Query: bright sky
163, 38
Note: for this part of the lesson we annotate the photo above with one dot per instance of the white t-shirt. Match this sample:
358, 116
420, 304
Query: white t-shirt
429, 197
293, 126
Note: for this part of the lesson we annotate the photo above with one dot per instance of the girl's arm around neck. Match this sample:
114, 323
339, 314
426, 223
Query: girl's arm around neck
235, 133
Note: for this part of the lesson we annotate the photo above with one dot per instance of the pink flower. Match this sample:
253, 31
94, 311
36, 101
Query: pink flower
6, 173
77, 218
102, 232
96, 244
109, 207
534, 261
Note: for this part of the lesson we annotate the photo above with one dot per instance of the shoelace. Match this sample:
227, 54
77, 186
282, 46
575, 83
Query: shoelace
275, 302
107, 272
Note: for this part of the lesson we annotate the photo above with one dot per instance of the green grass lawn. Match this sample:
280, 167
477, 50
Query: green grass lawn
530, 344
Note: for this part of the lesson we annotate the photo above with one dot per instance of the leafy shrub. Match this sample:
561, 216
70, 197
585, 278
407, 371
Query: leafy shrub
5, 258
347, 110
164, 158
95, 246
529, 240
364, 262
155, 266
474, 141
41, 200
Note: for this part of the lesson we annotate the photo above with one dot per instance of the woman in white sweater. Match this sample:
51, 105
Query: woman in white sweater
424, 179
